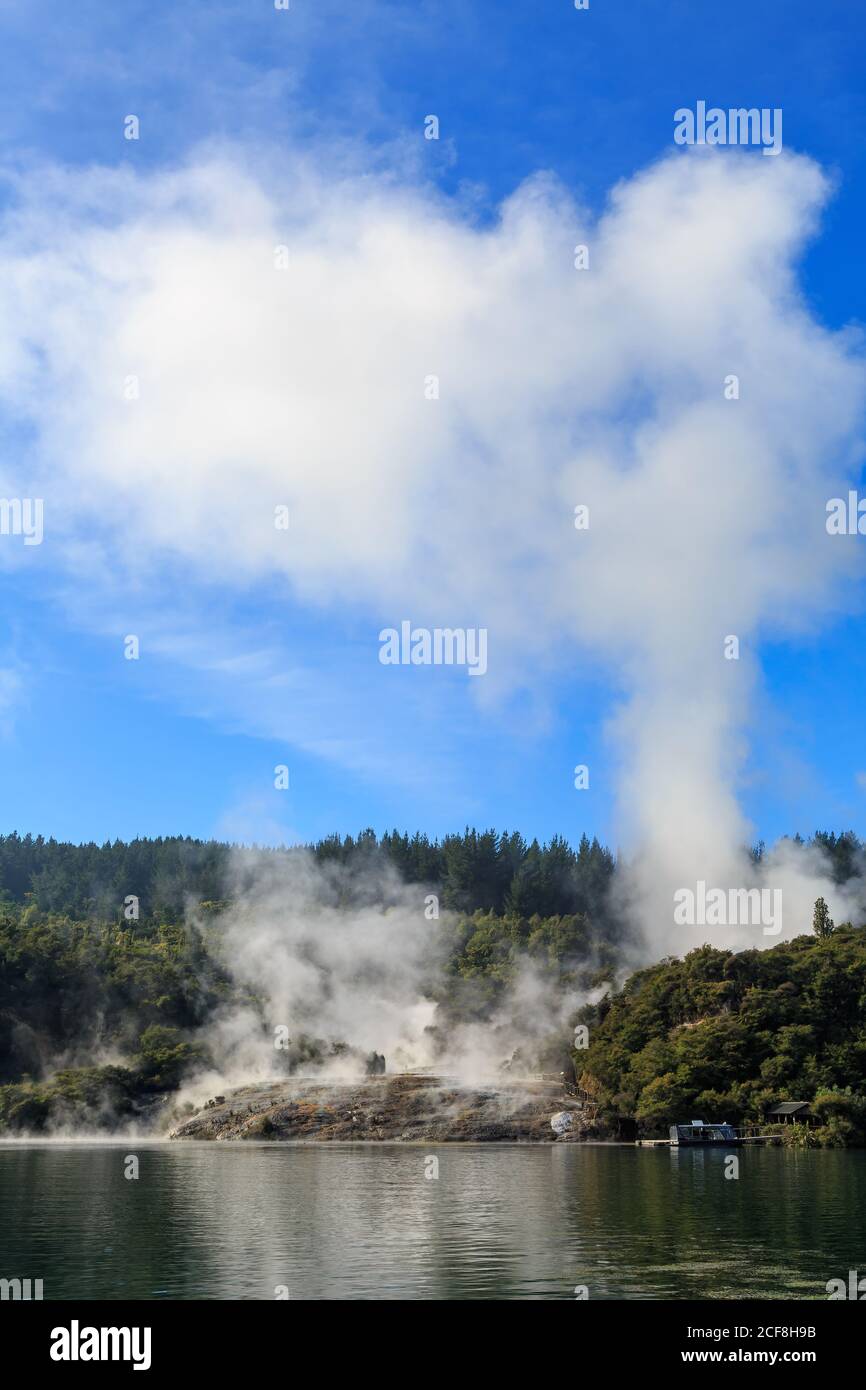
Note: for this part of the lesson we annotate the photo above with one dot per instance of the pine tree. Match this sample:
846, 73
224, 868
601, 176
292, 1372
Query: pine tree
822, 922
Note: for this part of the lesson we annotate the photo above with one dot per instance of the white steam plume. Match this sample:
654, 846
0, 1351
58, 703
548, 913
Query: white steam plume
346, 955
558, 387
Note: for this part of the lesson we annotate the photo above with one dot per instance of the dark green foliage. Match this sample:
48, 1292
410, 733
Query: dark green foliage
101, 1097
79, 982
70, 987
822, 922
844, 852
726, 1036
478, 869
721, 1033
93, 880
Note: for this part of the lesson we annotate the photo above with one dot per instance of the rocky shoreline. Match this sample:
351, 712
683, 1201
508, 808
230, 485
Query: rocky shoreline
400, 1108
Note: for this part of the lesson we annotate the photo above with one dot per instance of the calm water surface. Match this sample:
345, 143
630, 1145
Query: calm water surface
234, 1221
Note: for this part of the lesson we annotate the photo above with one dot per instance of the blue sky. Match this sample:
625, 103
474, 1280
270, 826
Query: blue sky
96, 747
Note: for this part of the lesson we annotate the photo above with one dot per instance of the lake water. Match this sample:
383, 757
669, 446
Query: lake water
235, 1221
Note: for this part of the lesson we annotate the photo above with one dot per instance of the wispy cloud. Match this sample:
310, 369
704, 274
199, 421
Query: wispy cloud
12, 695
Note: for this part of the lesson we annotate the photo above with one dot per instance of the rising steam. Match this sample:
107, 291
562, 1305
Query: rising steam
349, 960
602, 387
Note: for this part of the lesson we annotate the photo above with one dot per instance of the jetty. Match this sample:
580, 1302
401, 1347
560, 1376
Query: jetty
699, 1134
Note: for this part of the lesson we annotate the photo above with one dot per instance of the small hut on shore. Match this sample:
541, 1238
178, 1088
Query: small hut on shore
788, 1112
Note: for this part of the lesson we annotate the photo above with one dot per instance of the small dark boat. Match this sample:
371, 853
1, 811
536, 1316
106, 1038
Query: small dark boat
703, 1135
